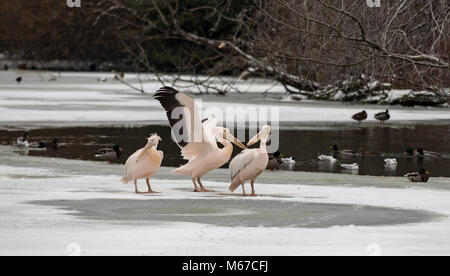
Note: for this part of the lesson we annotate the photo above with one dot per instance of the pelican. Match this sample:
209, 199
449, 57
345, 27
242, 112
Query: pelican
199, 142
250, 163
144, 163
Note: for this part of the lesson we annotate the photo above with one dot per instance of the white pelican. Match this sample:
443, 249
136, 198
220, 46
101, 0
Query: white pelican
250, 163
198, 144
144, 163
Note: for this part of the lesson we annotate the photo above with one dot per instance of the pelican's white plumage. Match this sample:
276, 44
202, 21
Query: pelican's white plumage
250, 163
197, 139
144, 163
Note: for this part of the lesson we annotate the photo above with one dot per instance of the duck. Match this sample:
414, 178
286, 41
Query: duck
391, 163
22, 142
326, 158
350, 167
423, 153
363, 152
383, 116
53, 144
421, 176
275, 161
361, 116
109, 154
289, 161
342, 153
409, 152
118, 75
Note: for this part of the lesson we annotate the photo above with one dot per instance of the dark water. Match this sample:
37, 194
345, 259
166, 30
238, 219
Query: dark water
303, 145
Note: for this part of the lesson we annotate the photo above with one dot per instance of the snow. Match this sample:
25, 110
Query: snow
61, 207
34, 220
77, 99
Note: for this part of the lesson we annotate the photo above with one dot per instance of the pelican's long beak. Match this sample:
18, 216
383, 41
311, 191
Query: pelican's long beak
144, 152
263, 134
254, 140
234, 140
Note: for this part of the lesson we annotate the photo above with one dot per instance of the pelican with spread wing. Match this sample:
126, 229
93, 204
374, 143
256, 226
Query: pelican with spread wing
250, 163
197, 139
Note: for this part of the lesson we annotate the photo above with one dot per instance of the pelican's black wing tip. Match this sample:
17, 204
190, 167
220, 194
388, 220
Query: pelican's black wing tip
166, 91
167, 98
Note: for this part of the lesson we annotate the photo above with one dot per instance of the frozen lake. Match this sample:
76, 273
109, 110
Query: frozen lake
51, 205
47, 204
85, 114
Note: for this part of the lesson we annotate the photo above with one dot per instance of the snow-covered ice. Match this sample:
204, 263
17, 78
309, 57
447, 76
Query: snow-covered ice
48, 206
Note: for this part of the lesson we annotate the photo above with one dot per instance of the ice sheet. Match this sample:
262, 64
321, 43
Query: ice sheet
71, 208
